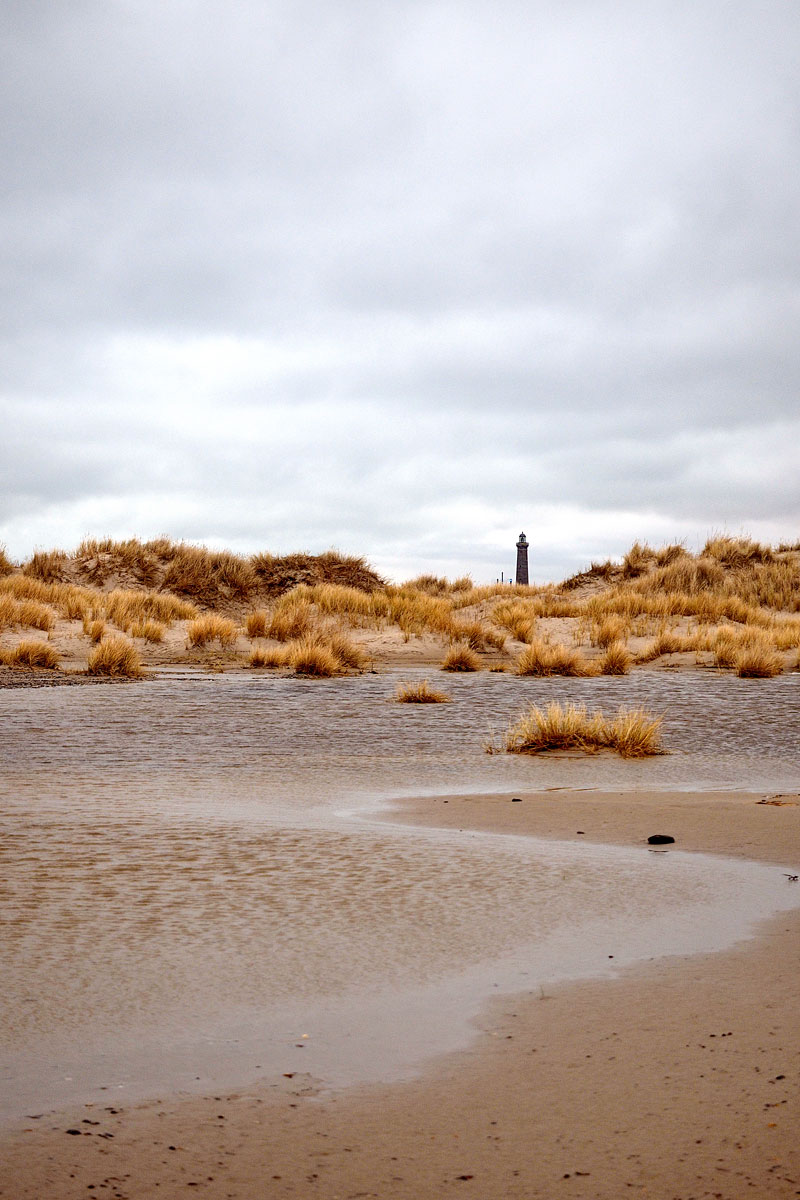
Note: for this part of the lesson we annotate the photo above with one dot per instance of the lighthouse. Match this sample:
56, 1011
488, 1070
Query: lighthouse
522, 560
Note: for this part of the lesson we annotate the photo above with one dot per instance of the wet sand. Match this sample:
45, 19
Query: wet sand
678, 1078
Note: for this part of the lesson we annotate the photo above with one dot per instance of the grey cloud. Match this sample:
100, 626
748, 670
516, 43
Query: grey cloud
542, 255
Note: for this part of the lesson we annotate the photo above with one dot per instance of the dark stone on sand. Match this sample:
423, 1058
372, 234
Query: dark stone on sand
74, 1132
516, 799
659, 839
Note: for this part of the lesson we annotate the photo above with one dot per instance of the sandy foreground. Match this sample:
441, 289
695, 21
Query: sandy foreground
677, 1079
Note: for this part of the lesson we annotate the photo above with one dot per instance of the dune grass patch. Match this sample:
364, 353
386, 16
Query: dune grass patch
517, 618
35, 615
8, 611
257, 623
212, 627
31, 614
94, 628
737, 551
278, 574
416, 612
633, 733
336, 599
208, 576
309, 656
292, 619
125, 607
420, 693
541, 659
749, 651
116, 657
786, 635
319, 653
268, 657
25, 612
616, 659
671, 641
610, 629
758, 661
460, 658
32, 654
149, 630
726, 644
346, 651
47, 565
477, 636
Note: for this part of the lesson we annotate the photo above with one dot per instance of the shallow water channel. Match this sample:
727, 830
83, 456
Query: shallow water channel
196, 892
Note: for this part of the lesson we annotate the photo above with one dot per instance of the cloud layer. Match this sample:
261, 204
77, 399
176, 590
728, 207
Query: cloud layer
402, 279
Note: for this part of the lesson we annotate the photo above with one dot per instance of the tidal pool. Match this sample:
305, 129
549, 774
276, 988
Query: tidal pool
193, 877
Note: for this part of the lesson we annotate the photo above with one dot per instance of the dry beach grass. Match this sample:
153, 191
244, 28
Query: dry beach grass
31, 654
420, 693
116, 657
633, 733
735, 606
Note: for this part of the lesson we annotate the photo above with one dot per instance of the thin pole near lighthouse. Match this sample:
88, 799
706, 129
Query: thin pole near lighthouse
522, 560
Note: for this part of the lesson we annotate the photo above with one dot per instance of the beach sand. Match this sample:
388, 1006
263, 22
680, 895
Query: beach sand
676, 1079
383, 648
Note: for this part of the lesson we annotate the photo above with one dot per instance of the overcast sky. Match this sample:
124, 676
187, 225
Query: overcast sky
402, 278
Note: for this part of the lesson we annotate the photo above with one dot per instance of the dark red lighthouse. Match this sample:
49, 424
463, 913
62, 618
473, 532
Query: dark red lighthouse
522, 560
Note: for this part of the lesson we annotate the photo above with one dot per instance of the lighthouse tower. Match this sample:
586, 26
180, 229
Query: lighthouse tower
522, 560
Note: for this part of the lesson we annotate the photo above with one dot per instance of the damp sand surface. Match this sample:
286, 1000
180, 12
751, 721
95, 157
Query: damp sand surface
222, 887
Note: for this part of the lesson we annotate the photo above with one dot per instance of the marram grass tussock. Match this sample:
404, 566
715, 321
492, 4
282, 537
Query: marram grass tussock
268, 656
117, 657
31, 654
460, 658
540, 658
420, 693
212, 627
307, 656
633, 733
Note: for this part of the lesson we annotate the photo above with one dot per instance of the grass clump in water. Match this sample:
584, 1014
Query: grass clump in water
633, 733
420, 693
115, 656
